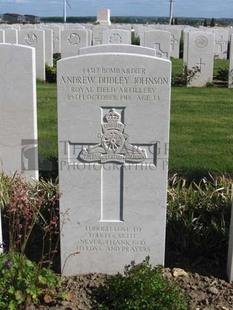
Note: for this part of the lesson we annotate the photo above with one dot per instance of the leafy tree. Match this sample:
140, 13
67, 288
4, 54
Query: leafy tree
212, 23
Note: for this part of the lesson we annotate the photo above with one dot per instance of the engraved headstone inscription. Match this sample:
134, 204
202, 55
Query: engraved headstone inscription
113, 122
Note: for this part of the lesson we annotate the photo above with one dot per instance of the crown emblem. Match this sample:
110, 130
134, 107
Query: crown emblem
114, 145
112, 119
112, 115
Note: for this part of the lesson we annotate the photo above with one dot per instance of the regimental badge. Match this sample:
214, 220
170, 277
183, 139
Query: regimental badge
114, 145
30, 38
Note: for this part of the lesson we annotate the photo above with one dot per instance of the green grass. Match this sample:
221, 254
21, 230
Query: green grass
47, 119
177, 66
201, 132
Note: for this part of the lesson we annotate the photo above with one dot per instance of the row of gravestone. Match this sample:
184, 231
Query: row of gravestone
221, 34
198, 51
97, 35
113, 133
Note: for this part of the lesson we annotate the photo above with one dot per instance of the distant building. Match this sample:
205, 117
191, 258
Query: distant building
32, 19
13, 18
17, 18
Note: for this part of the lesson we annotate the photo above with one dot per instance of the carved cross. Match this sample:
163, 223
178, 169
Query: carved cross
114, 155
159, 52
173, 41
221, 43
200, 64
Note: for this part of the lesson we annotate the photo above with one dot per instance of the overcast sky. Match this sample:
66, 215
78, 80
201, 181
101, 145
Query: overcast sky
182, 8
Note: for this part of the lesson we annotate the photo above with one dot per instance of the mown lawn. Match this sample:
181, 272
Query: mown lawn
201, 132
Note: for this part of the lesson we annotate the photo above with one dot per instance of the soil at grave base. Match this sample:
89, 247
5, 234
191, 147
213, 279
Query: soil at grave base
204, 292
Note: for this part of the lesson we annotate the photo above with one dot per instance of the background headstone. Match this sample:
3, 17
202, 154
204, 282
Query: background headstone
160, 41
72, 41
116, 36
175, 42
56, 38
11, 36
2, 36
48, 46
98, 34
113, 122
117, 48
35, 38
200, 56
18, 126
221, 43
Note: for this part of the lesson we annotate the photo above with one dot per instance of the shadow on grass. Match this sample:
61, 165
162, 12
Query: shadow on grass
48, 168
203, 265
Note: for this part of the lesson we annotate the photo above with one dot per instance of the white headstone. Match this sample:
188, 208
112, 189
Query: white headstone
113, 122
72, 41
11, 36
230, 32
56, 39
221, 43
230, 79
117, 48
185, 47
116, 36
200, 56
98, 34
27, 26
18, 126
74, 26
89, 37
103, 17
2, 36
35, 38
160, 41
175, 42
186, 32
48, 46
